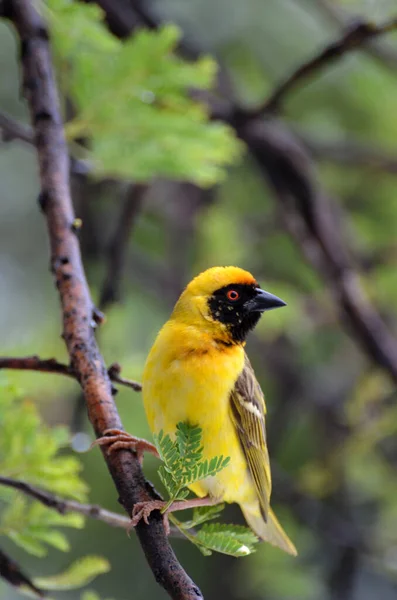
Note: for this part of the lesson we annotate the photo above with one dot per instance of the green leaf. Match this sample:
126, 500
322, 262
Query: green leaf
203, 514
52, 537
30, 525
167, 480
188, 439
28, 543
206, 468
168, 451
89, 595
234, 540
80, 573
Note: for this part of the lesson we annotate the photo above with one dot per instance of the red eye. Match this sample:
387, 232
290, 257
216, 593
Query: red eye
232, 295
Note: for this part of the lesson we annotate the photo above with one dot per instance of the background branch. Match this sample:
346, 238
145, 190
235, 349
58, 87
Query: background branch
77, 306
310, 217
118, 245
350, 153
353, 38
383, 52
64, 506
11, 572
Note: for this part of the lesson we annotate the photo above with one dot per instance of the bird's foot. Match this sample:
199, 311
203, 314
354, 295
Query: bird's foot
116, 439
142, 510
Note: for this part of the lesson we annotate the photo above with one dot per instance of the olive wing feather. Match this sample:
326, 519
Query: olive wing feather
248, 412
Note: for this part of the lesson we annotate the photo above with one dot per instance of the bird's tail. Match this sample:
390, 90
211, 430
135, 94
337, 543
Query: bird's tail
270, 531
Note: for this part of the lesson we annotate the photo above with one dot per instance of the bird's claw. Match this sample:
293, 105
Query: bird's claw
142, 510
116, 439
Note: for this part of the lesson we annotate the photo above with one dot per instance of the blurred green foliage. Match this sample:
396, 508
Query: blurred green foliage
30, 451
137, 91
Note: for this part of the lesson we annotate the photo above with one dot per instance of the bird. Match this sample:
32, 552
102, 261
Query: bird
198, 372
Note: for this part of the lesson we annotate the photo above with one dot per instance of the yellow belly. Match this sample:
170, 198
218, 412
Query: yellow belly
195, 387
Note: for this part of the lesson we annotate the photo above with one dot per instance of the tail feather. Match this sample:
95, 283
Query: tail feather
270, 531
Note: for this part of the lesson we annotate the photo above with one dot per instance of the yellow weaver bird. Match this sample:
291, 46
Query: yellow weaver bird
198, 372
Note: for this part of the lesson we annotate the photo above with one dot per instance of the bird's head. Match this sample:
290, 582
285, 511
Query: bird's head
227, 302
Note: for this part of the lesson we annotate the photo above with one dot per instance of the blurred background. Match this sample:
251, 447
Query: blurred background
315, 220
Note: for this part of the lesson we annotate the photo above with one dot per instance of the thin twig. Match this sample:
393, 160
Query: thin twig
383, 52
125, 16
114, 374
352, 39
64, 506
11, 130
350, 153
119, 244
51, 365
77, 306
14, 130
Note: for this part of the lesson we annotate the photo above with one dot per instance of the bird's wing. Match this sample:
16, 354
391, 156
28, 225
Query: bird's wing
248, 412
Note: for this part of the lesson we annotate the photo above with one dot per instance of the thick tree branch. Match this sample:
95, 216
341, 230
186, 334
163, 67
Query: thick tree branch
77, 306
353, 38
116, 255
51, 365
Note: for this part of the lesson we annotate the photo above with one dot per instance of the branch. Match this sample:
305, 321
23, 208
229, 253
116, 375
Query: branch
110, 290
310, 217
381, 51
51, 365
124, 16
352, 39
13, 130
350, 153
12, 573
63, 506
66, 506
119, 244
77, 305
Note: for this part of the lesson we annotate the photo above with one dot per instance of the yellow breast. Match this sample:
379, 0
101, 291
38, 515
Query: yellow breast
189, 377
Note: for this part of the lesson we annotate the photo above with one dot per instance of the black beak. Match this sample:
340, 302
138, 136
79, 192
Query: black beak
264, 301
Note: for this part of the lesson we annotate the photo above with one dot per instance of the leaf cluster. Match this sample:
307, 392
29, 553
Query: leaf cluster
184, 465
34, 453
183, 460
133, 100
